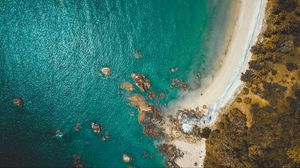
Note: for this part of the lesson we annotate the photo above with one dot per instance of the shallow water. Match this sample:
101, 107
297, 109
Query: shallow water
50, 55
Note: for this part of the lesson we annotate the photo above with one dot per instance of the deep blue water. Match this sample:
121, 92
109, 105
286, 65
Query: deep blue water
50, 54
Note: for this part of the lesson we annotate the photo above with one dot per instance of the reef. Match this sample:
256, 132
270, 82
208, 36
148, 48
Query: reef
149, 114
260, 128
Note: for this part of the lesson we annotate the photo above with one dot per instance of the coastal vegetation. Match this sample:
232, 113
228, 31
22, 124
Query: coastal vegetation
260, 128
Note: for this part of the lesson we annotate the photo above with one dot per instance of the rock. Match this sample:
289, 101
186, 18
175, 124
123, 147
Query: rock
130, 167
141, 82
139, 101
97, 128
18, 101
179, 83
148, 113
137, 54
144, 109
77, 163
173, 70
126, 158
162, 95
105, 71
77, 127
152, 95
127, 86
58, 134
105, 137
170, 151
153, 131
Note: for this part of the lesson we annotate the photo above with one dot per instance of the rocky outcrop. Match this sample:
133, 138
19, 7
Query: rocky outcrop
172, 154
153, 130
141, 82
139, 102
148, 116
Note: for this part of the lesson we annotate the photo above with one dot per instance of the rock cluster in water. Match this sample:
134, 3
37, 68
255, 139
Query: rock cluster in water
148, 114
179, 84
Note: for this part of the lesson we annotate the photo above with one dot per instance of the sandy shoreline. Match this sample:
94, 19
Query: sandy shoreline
221, 85
219, 89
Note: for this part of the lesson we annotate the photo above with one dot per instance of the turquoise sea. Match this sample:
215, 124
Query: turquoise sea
51, 52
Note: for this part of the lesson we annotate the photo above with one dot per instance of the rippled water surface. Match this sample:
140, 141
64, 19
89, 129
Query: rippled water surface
50, 54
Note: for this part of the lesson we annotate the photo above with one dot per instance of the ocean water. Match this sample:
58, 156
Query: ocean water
50, 54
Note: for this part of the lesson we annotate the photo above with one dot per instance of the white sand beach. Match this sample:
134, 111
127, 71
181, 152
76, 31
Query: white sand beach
221, 87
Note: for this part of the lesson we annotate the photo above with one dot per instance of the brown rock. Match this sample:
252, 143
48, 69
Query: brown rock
127, 86
105, 71
145, 110
126, 158
152, 95
18, 101
141, 82
153, 131
170, 151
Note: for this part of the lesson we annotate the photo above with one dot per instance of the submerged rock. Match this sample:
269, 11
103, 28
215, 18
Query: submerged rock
144, 109
58, 134
77, 127
137, 54
97, 128
18, 101
152, 95
127, 158
77, 163
105, 71
179, 83
139, 101
127, 86
174, 69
